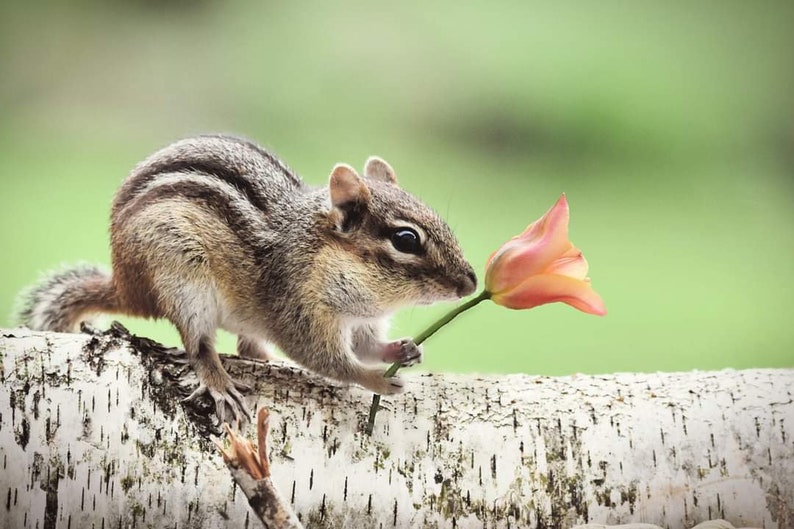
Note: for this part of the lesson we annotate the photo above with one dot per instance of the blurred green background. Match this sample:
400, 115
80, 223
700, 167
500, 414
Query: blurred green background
669, 126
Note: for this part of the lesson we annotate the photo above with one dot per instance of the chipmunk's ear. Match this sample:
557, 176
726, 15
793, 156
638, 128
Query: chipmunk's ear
378, 169
346, 187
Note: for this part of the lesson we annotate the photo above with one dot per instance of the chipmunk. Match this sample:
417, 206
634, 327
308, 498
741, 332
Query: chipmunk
216, 232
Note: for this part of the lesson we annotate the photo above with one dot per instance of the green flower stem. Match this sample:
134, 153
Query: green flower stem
427, 333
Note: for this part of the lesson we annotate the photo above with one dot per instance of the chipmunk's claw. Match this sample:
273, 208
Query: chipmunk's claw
229, 402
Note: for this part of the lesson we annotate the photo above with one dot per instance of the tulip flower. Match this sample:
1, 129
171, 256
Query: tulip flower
537, 267
542, 266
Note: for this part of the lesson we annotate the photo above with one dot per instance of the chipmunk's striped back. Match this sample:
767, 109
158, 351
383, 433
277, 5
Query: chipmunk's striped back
251, 171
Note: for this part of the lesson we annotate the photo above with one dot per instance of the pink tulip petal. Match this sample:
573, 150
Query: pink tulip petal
518, 259
572, 264
542, 289
554, 220
531, 252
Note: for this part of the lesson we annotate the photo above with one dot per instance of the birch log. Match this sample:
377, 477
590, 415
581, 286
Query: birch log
93, 434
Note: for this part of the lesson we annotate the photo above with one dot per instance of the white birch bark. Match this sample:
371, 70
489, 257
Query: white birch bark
92, 436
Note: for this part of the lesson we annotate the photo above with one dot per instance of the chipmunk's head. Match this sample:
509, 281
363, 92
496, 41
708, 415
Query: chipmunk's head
408, 253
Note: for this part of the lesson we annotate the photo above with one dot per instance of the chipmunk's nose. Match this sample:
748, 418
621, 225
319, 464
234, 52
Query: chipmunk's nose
468, 284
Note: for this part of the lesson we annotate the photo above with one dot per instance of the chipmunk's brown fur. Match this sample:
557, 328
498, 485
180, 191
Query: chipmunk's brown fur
215, 232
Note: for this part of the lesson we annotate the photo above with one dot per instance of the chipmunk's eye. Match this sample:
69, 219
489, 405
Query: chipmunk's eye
406, 240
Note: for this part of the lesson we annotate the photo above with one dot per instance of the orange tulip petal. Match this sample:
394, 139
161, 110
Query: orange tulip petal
572, 264
542, 289
554, 220
531, 252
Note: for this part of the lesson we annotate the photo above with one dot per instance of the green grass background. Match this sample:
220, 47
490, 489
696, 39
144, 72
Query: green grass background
669, 126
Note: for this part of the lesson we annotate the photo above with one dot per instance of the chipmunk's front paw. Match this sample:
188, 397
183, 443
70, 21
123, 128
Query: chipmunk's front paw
404, 351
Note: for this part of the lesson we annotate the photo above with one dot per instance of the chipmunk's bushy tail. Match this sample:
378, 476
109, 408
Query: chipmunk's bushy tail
63, 299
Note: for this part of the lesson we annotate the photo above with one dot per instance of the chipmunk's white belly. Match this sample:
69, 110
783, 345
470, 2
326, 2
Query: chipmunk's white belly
237, 320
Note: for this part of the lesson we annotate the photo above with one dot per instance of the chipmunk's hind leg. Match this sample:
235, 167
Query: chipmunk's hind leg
215, 381
193, 308
165, 248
